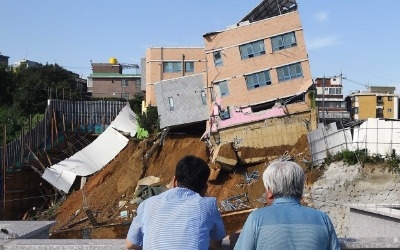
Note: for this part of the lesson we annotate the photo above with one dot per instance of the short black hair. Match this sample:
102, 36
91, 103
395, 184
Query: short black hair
192, 172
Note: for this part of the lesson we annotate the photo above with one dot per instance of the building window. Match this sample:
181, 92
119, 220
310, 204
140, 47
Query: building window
289, 72
252, 49
223, 88
218, 58
171, 104
389, 111
257, 80
203, 97
335, 91
170, 67
125, 83
189, 66
138, 82
355, 110
283, 41
125, 96
390, 98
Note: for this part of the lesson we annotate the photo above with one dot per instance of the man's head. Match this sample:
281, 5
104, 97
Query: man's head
192, 172
283, 179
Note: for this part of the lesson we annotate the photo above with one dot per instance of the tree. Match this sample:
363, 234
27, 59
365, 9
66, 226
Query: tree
6, 85
34, 85
149, 120
24, 91
136, 103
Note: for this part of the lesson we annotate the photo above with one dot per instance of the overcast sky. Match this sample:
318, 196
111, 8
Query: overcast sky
356, 38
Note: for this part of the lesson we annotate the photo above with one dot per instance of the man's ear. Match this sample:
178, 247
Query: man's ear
269, 196
174, 182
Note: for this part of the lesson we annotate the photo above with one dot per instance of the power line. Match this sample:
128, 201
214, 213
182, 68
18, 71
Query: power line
364, 71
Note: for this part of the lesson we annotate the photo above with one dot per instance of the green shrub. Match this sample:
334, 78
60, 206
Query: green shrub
149, 120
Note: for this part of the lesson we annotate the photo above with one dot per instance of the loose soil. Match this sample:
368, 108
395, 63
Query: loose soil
109, 192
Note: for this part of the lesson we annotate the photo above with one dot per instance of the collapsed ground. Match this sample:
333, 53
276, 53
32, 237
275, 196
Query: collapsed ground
108, 193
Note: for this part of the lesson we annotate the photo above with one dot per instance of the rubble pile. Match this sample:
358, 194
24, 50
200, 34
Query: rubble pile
110, 197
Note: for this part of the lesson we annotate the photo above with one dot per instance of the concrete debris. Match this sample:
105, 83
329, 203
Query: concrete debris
250, 179
121, 204
286, 157
214, 171
263, 199
10, 233
124, 214
226, 161
237, 202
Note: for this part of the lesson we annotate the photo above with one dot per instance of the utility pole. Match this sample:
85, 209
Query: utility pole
323, 100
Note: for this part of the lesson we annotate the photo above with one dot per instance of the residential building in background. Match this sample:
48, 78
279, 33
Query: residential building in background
376, 102
259, 63
4, 60
26, 62
330, 101
109, 80
163, 63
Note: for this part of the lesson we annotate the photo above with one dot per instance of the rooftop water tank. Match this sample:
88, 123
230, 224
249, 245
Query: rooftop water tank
113, 60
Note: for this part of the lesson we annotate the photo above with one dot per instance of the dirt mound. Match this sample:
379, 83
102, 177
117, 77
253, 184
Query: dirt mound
109, 192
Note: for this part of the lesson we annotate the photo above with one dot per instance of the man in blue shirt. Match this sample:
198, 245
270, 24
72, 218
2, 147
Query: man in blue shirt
285, 223
181, 217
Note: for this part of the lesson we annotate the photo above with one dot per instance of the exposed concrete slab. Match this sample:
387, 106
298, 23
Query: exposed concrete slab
109, 244
25, 229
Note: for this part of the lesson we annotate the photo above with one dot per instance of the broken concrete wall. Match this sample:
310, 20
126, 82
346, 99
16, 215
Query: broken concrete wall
328, 140
267, 133
259, 141
344, 185
376, 136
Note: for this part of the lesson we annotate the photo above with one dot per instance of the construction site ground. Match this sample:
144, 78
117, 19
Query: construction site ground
109, 192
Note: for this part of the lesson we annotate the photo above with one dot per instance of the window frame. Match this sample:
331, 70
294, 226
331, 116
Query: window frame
218, 61
280, 42
284, 72
265, 77
252, 49
125, 83
172, 67
125, 96
191, 68
203, 97
171, 103
223, 88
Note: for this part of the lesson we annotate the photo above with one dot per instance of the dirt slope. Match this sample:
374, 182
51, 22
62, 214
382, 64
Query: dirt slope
109, 191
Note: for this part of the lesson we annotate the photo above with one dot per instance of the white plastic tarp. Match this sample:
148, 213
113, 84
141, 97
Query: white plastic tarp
96, 155
123, 122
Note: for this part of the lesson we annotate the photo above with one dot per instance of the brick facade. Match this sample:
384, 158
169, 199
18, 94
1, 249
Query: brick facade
155, 59
235, 69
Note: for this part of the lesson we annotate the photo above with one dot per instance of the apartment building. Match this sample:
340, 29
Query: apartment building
27, 63
260, 62
330, 100
4, 60
109, 80
163, 63
376, 102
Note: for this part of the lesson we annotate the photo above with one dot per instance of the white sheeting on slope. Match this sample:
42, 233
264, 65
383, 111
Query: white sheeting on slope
96, 155
123, 122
